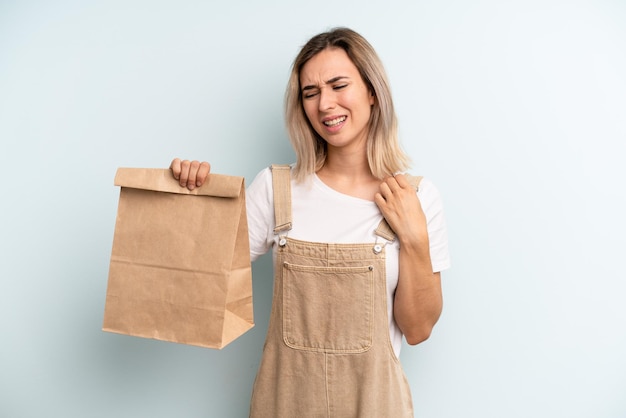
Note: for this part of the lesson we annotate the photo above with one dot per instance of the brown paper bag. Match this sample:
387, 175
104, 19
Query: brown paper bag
180, 264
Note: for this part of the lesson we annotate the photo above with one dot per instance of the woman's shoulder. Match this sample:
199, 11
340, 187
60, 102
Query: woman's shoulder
259, 191
422, 183
428, 192
265, 175
262, 184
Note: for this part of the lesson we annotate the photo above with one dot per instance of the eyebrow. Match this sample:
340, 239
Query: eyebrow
332, 80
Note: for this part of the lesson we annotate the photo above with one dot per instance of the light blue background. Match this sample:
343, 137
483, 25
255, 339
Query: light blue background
515, 109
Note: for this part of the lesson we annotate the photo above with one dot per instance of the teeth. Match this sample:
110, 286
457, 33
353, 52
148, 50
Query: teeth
335, 122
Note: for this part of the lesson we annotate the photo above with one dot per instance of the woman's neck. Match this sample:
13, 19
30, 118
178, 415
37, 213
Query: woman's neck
349, 174
346, 163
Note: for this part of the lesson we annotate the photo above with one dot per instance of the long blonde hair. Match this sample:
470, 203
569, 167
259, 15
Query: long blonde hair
384, 153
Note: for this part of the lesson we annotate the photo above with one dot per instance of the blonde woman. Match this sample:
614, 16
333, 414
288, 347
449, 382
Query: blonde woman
358, 247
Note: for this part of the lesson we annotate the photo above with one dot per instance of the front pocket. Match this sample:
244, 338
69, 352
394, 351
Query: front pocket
328, 309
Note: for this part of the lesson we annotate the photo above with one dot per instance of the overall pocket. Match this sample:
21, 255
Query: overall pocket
329, 309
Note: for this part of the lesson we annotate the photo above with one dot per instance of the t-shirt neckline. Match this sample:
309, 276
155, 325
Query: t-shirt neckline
329, 190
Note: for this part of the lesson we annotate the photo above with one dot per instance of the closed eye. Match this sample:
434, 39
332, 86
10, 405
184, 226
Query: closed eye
307, 94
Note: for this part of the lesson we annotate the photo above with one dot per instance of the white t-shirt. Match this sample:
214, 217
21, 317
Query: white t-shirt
321, 214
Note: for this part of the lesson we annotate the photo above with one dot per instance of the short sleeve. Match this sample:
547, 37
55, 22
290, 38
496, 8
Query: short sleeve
432, 206
260, 211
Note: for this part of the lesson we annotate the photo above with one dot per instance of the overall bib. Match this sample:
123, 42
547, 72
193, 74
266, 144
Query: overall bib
327, 352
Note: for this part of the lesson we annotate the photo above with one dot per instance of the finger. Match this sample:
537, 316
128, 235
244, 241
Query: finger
203, 173
384, 189
395, 182
193, 175
175, 167
184, 172
402, 181
380, 201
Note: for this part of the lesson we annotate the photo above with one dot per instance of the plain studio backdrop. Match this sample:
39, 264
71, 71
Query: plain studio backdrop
516, 110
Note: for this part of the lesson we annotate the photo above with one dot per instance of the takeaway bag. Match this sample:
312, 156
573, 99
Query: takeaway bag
180, 263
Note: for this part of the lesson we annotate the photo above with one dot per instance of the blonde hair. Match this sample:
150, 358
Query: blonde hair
384, 153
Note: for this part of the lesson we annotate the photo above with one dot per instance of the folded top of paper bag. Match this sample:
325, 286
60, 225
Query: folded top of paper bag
162, 180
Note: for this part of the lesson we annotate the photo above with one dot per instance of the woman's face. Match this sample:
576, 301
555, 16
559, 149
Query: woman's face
336, 100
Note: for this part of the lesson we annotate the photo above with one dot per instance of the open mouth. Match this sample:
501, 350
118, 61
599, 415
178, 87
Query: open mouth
335, 122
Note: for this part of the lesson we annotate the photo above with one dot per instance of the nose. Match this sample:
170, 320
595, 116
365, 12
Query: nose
327, 99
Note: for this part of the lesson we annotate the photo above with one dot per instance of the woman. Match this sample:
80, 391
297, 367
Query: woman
345, 291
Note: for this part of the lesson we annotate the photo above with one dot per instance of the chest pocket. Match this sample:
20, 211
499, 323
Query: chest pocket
328, 309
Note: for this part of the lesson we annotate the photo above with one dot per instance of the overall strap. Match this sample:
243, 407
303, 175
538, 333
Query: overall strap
281, 182
384, 230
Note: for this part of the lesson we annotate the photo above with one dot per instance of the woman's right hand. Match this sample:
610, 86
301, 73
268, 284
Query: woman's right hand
190, 174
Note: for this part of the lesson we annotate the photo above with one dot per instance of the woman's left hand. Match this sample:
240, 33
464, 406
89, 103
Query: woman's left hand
418, 300
399, 204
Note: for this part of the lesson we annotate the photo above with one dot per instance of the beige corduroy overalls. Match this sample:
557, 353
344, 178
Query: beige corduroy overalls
328, 352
